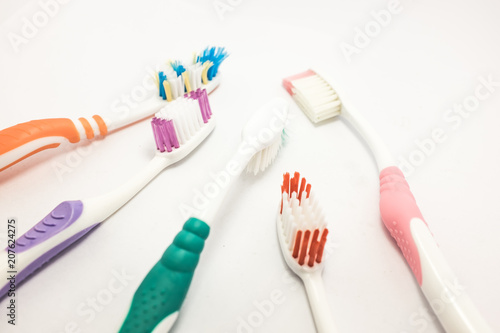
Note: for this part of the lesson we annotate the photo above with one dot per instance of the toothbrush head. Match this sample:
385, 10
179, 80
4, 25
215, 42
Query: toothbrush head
265, 157
301, 226
179, 78
214, 55
180, 126
265, 133
314, 95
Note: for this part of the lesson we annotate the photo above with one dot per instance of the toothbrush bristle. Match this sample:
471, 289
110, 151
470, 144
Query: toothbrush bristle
178, 67
288, 82
303, 225
310, 247
183, 78
180, 120
314, 95
216, 55
264, 158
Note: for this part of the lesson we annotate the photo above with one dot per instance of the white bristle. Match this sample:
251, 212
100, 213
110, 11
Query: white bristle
316, 98
179, 87
262, 159
185, 114
176, 83
170, 73
195, 72
199, 119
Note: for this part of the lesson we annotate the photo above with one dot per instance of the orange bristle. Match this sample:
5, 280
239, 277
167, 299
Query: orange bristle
302, 185
303, 247
285, 188
309, 245
286, 183
321, 247
314, 248
308, 190
296, 247
294, 184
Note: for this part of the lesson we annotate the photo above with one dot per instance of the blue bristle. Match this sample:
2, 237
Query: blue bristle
162, 77
214, 54
178, 68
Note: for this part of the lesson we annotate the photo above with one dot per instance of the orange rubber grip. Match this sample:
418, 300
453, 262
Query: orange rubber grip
18, 135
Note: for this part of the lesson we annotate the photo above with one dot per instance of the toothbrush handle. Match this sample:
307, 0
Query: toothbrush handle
403, 219
319, 304
158, 299
58, 230
23, 140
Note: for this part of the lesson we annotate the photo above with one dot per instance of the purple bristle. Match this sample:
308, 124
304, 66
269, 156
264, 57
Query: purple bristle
171, 132
164, 131
156, 133
202, 97
207, 104
164, 134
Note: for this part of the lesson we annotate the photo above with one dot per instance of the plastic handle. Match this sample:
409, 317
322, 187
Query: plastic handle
319, 304
23, 140
397, 208
403, 219
45, 240
162, 292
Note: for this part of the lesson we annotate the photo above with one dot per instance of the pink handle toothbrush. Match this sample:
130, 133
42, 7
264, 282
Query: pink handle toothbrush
400, 213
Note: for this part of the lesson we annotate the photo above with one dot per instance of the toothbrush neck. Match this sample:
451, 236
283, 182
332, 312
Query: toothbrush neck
136, 112
379, 149
227, 176
105, 205
318, 301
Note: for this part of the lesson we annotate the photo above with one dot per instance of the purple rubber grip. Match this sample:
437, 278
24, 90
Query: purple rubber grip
56, 221
59, 219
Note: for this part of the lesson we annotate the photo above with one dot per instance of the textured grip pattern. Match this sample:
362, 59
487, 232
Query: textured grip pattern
57, 220
18, 135
163, 290
398, 208
40, 261
61, 217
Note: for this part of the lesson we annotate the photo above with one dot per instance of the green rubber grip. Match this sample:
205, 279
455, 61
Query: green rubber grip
163, 290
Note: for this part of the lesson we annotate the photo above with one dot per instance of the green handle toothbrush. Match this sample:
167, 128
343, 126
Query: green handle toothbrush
161, 293
157, 301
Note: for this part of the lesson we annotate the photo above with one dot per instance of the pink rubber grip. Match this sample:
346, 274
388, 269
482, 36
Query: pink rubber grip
397, 208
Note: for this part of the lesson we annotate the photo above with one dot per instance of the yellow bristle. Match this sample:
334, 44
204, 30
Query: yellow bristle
204, 75
185, 75
168, 92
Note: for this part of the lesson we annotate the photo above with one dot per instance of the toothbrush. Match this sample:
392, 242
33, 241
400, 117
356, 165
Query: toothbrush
319, 99
178, 129
302, 234
156, 303
23, 140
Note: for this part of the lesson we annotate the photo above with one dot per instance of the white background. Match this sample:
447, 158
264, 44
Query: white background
427, 58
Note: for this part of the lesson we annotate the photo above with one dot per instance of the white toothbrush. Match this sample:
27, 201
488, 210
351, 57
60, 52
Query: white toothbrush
302, 235
23, 140
157, 302
320, 100
188, 122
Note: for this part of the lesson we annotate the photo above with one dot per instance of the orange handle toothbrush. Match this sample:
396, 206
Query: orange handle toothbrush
23, 140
